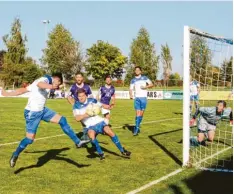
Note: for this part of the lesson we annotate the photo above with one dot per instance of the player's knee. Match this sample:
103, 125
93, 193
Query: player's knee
200, 138
108, 131
91, 134
30, 136
210, 139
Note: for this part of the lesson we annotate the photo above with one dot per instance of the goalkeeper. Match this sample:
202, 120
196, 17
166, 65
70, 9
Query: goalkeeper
86, 111
207, 121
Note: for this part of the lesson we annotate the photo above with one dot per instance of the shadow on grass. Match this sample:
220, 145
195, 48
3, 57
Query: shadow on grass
167, 151
129, 127
205, 182
93, 154
211, 182
178, 113
53, 154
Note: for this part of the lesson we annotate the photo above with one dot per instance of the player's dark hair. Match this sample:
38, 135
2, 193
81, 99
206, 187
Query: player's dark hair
81, 90
80, 73
58, 75
138, 67
223, 102
108, 76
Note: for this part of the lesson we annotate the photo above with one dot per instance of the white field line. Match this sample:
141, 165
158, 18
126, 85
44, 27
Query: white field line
155, 182
53, 136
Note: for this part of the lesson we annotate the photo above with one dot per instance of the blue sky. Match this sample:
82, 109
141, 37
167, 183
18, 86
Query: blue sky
118, 22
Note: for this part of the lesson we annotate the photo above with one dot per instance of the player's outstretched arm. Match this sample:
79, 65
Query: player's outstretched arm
70, 100
44, 85
15, 92
192, 121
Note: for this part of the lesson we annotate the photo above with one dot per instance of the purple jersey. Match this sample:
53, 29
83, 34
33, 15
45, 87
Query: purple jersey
74, 90
106, 94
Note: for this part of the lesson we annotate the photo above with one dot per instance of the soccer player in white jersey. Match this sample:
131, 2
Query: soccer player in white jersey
95, 124
35, 111
194, 93
139, 84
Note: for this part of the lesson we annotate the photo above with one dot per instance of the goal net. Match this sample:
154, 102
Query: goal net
208, 78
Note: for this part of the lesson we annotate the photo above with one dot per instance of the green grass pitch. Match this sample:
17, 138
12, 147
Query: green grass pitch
54, 165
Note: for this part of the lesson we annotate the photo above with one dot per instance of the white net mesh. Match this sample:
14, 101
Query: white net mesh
211, 69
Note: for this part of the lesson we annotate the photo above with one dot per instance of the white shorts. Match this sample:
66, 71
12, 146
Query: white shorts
204, 126
105, 111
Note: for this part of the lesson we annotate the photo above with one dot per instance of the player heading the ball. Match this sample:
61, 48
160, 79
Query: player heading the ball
35, 111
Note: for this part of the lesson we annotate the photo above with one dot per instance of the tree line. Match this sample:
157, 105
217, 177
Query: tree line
64, 54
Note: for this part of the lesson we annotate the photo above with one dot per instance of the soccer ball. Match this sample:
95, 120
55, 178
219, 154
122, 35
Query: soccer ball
96, 109
93, 109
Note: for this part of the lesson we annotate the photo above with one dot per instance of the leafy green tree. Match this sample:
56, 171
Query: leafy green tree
2, 53
31, 70
166, 59
14, 58
174, 79
63, 53
200, 57
227, 71
143, 54
105, 59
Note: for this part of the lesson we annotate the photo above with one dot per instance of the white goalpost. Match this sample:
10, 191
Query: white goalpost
207, 60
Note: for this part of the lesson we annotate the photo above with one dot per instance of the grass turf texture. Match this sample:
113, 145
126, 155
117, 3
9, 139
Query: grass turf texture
54, 165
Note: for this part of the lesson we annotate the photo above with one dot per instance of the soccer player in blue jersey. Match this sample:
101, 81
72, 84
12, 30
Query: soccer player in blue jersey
94, 123
72, 96
194, 93
35, 111
107, 95
208, 118
139, 84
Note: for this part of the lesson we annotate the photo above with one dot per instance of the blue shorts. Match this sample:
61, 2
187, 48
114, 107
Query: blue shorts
33, 118
140, 103
194, 98
98, 128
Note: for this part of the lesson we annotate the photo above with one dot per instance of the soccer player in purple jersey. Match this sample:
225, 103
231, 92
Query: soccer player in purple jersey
73, 95
107, 94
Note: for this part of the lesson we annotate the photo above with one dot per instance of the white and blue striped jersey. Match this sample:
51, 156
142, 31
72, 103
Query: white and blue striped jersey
37, 98
80, 109
137, 83
194, 85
